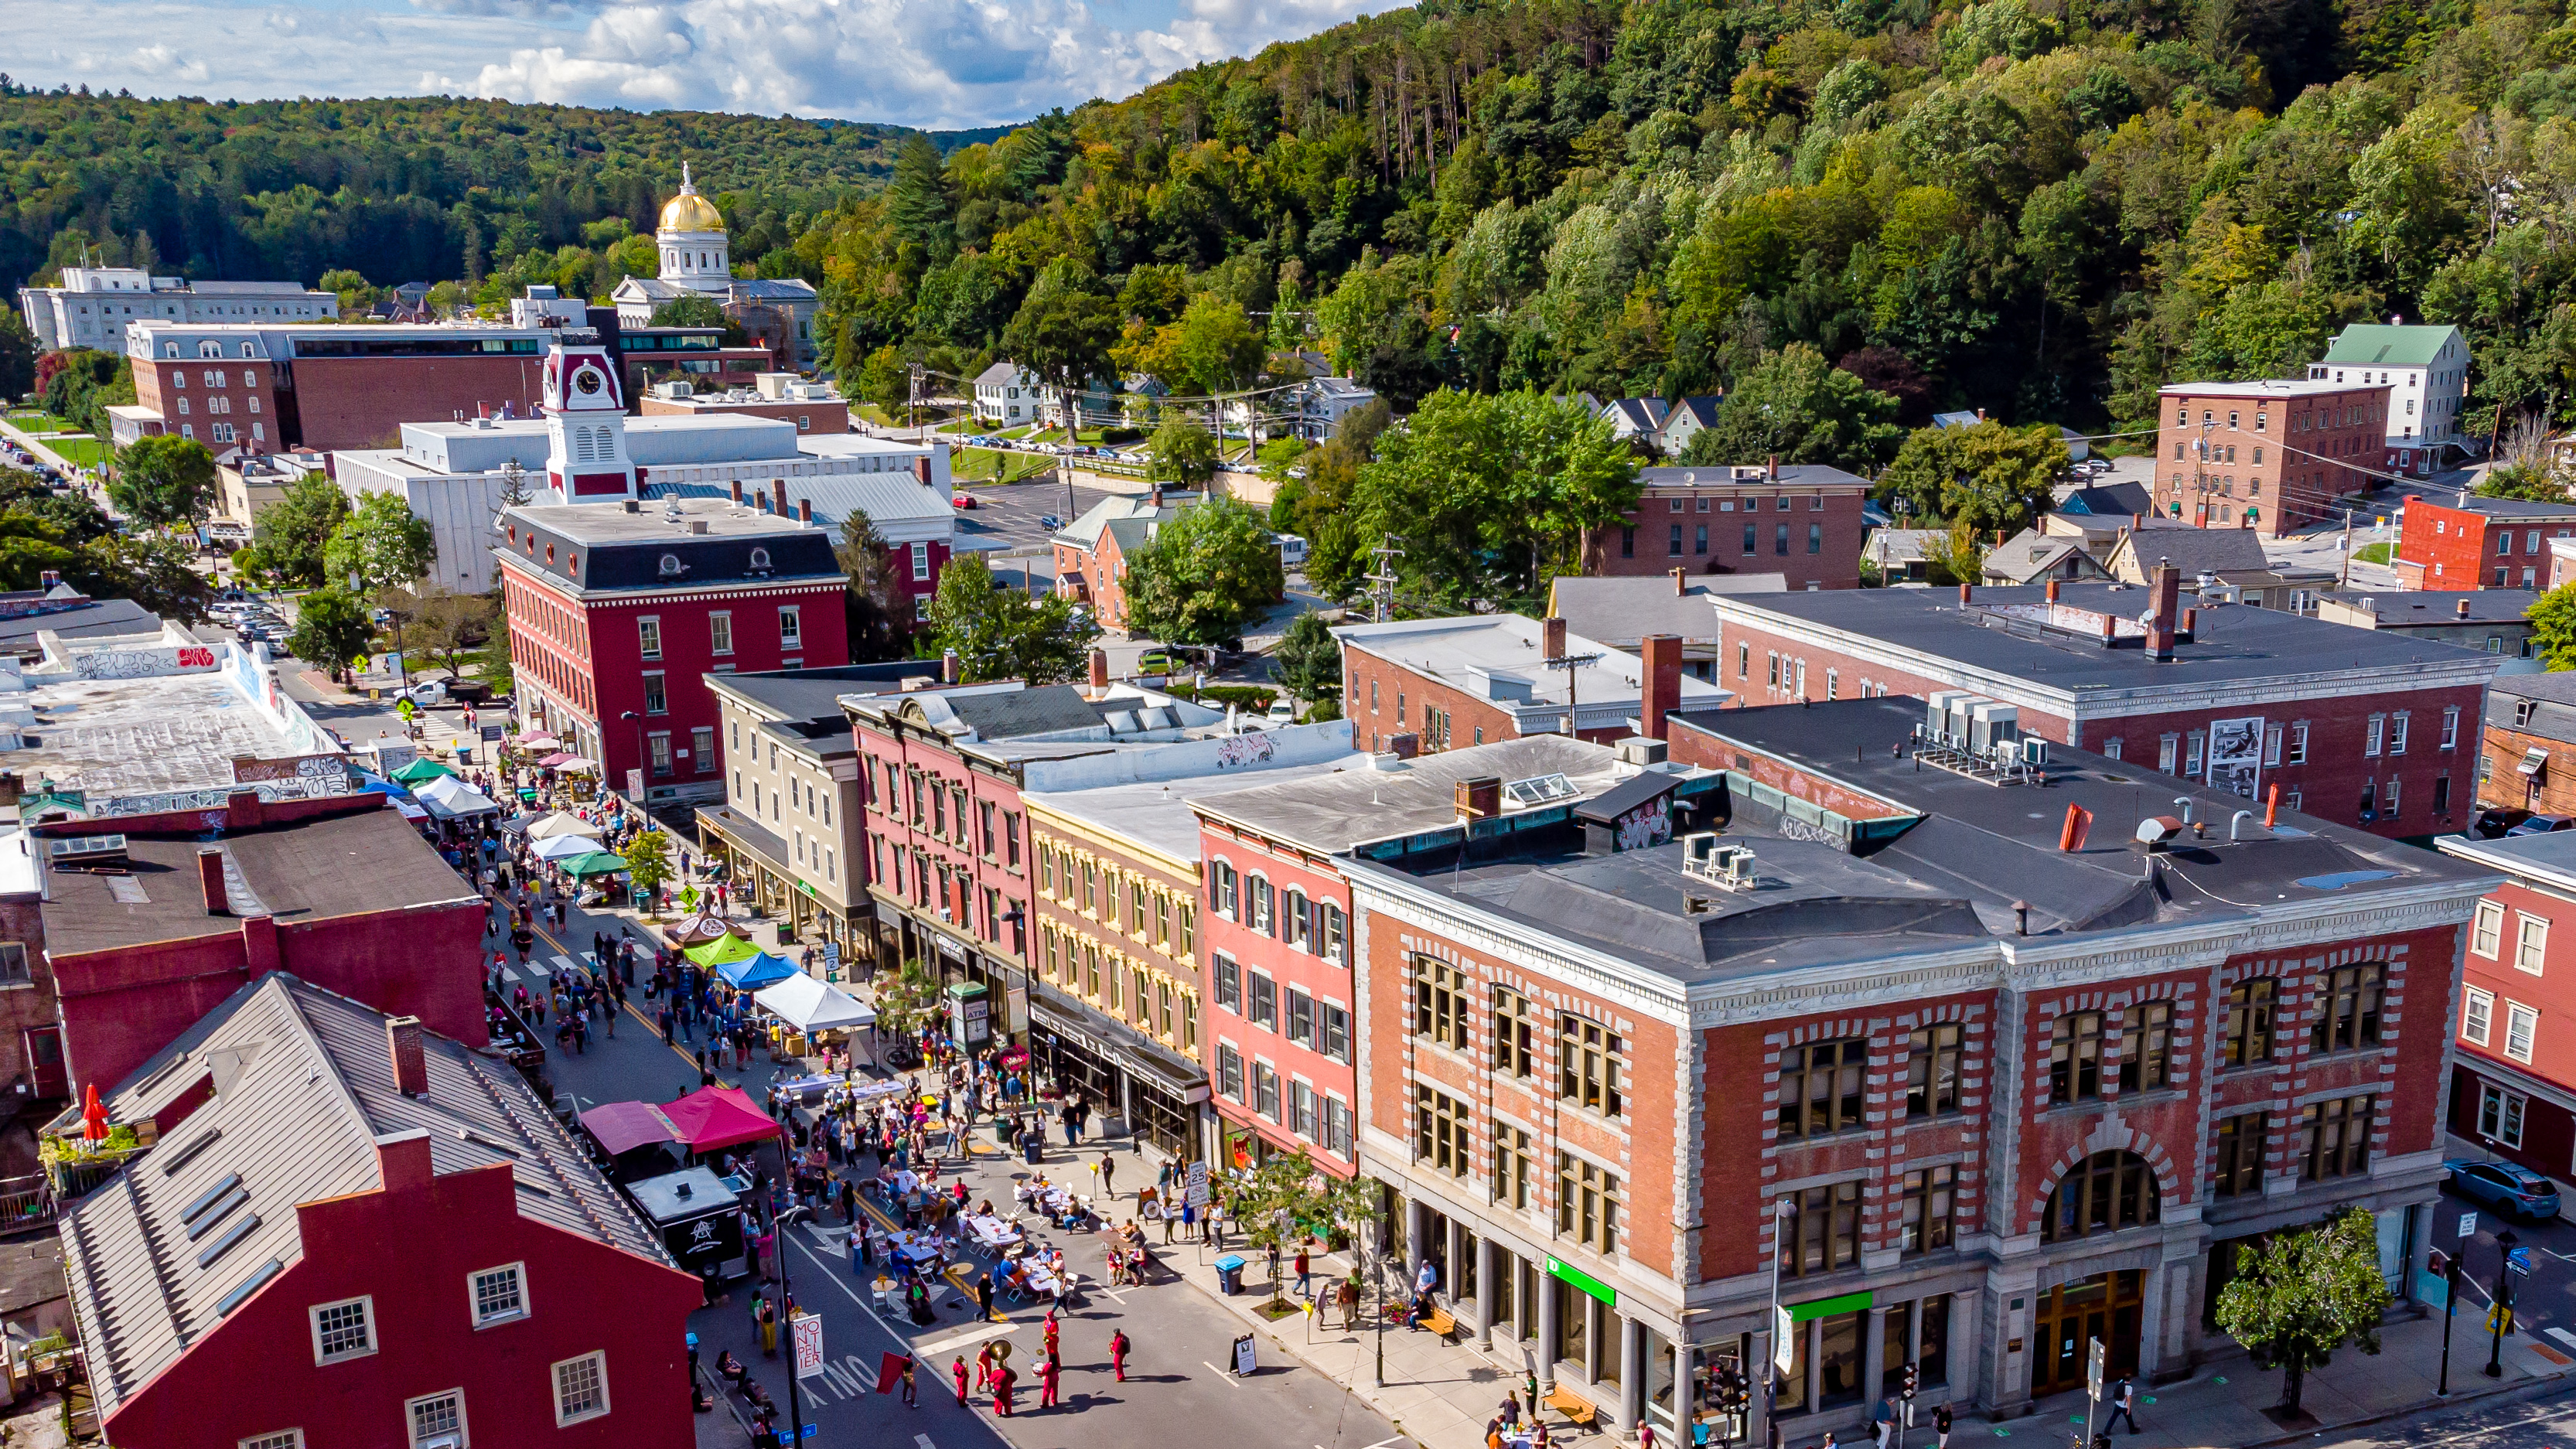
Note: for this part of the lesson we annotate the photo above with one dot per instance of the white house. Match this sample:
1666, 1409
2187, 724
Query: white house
2426, 369
1009, 395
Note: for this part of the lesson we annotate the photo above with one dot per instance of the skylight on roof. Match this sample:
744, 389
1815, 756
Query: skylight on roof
1539, 789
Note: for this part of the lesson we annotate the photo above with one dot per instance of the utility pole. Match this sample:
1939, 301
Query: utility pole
2344, 580
912, 403
787, 1296
1382, 598
1570, 663
2447, 1268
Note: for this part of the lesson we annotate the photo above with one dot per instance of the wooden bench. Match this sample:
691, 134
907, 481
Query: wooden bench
1576, 1410
1439, 1321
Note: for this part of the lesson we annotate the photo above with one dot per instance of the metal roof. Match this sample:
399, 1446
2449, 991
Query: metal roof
2377, 344
303, 1085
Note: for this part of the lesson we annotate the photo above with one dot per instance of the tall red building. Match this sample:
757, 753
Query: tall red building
2464, 541
2513, 1064
354, 1231
1801, 521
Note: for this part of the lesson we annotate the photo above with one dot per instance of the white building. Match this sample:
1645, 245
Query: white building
1008, 395
1323, 402
458, 476
2426, 369
92, 306
696, 259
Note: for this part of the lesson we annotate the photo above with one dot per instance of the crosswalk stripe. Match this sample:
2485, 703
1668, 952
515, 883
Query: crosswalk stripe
563, 963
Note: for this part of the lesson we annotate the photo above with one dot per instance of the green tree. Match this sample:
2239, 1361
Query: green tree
292, 532
1002, 633
879, 606
1214, 347
1307, 661
2531, 485
332, 627
2300, 1296
1206, 575
163, 481
1985, 479
885, 381
918, 203
1062, 332
648, 863
1286, 1200
1183, 453
17, 356
1795, 406
354, 293
154, 570
383, 543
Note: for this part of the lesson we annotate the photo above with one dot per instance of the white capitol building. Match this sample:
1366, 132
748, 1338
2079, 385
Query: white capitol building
697, 261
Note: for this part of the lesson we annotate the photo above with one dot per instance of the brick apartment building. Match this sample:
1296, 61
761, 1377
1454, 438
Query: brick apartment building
2352, 725
1983, 1091
1481, 679
2264, 455
2462, 541
2527, 745
354, 1231
1283, 1035
2513, 1066
1091, 552
1801, 521
618, 611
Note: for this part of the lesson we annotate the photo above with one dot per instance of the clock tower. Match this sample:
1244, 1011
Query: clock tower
586, 458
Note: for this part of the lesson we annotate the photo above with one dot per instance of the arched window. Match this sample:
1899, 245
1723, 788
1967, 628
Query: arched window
760, 558
581, 444
246, 352
210, 349
2104, 1193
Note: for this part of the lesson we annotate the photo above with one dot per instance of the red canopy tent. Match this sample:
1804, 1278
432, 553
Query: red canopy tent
622, 1127
711, 1119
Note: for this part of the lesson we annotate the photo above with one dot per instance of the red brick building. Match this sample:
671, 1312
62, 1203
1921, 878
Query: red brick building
1799, 520
2462, 541
1091, 552
2352, 725
344, 893
379, 1237
617, 616
2528, 759
2513, 1067
1484, 678
276, 389
2265, 455
1982, 1091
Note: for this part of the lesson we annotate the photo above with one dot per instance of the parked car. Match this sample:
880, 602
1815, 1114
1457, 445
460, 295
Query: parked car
425, 693
965, 500
2544, 825
2492, 824
1281, 711
468, 691
2508, 1187
1050, 522
1160, 661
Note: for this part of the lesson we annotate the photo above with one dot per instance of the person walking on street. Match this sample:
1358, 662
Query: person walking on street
1047, 1372
768, 1316
1003, 1379
1108, 1175
959, 1369
2124, 1405
1118, 1353
1305, 1272
904, 1381
984, 1296
1051, 1330
1941, 1427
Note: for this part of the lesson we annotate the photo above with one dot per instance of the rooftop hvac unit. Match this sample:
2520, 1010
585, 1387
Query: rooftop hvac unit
87, 851
1937, 711
1991, 724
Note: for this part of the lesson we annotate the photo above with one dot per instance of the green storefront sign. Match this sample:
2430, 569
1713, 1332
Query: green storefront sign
1828, 1307
1569, 1273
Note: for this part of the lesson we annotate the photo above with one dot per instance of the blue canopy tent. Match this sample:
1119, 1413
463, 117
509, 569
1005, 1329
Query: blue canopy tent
753, 972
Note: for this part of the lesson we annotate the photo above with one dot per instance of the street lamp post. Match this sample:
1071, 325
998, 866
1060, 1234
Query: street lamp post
2450, 1302
638, 722
2503, 1311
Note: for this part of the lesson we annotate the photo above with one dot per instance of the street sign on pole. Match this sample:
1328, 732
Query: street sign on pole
2468, 1226
2519, 1260
2094, 1357
1197, 1185
808, 1331
1784, 1348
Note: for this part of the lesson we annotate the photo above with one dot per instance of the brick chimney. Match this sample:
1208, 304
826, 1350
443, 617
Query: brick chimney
402, 1160
1772, 471
1967, 594
1681, 581
210, 876
1552, 637
1480, 798
2464, 608
2164, 604
1099, 669
1155, 497
804, 510
1662, 654
2052, 589
410, 1060
950, 666
778, 496
737, 490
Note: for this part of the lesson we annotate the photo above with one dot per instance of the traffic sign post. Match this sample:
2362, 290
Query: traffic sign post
2095, 1360
2500, 1318
2446, 1268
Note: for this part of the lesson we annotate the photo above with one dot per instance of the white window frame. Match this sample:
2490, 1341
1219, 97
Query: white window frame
2477, 1016
2397, 732
274, 1439
367, 1316
2486, 931
2298, 742
648, 635
2523, 1023
920, 562
474, 1294
554, 1375
720, 632
412, 1406
2451, 727
650, 678
791, 626
2530, 942
2512, 1109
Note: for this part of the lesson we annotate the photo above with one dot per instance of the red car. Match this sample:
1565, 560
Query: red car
965, 500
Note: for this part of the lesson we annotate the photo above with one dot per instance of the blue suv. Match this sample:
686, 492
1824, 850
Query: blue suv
2505, 1186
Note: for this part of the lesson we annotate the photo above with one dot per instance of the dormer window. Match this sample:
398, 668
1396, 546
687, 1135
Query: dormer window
169, 349
760, 558
210, 349
245, 350
670, 565
550, 554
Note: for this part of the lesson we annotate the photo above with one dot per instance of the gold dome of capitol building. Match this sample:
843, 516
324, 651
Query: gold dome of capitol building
690, 211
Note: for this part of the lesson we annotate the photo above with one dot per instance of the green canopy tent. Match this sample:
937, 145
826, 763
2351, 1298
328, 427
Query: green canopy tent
421, 769
598, 862
723, 949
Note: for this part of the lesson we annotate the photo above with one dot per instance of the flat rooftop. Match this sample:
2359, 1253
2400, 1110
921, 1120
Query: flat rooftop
346, 865
2261, 388
608, 523
1501, 658
110, 739
1160, 816
2005, 632
2433, 608
1389, 799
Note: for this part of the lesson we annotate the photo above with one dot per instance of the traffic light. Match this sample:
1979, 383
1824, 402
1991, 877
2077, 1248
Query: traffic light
1913, 1379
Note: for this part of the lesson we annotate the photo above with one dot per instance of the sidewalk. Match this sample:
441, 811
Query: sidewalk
1441, 1393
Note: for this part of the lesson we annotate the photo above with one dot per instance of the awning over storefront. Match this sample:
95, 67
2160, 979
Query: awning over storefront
1106, 1038
2534, 761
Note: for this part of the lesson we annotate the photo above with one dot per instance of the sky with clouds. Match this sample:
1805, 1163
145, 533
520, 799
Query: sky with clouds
929, 63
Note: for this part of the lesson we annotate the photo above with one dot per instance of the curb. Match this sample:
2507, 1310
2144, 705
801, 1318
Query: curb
2499, 1397
1291, 1348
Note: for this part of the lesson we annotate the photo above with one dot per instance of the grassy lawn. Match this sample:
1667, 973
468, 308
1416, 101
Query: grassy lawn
2374, 553
37, 421
983, 465
81, 449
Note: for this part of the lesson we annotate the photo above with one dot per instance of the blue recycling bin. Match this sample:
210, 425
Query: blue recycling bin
1229, 1274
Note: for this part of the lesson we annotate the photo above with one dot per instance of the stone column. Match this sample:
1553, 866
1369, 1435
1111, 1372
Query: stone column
1485, 1293
1546, 1336
1632, 1379
1873, 1354
1684, 1404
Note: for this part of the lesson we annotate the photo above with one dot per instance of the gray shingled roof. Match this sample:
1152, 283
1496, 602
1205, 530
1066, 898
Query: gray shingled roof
2197, 551
303, 1085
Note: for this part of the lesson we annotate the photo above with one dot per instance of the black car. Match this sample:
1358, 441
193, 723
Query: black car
2492, 824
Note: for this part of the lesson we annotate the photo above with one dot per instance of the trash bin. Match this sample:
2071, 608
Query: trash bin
1036, 1147
1229, 1274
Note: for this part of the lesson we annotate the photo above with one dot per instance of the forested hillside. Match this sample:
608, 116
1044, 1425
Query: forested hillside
2039, 207
396, 190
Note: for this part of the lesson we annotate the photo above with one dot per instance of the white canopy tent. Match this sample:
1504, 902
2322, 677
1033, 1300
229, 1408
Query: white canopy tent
810, 1005
563, 847
561, 823
450, 796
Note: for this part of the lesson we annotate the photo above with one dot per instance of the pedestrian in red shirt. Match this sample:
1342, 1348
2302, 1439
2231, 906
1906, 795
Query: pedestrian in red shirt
1047, 1384
1003, 1378
959, 1369
1118, 1353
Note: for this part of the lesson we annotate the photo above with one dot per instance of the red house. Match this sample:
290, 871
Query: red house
2470, 542
143, 943
353, 1231
1801, 521
2513, 1064
618, 610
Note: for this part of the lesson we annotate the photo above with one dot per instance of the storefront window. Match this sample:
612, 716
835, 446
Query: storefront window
1838, 1358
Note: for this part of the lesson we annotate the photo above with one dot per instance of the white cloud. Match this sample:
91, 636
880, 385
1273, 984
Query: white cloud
933, 63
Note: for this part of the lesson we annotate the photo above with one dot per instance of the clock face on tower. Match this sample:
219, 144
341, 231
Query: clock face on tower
588, 382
